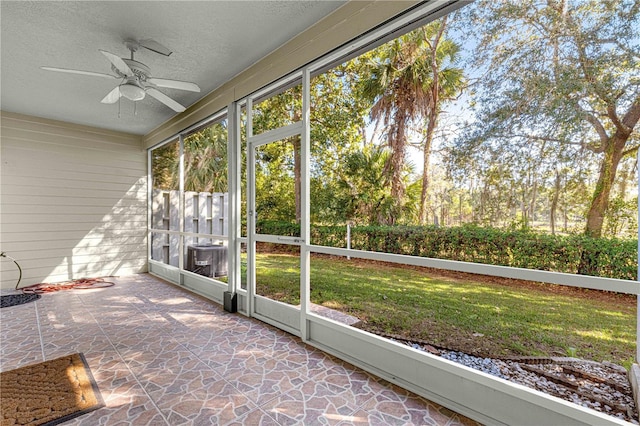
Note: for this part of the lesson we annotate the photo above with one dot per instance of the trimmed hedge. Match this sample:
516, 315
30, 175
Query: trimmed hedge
607, 257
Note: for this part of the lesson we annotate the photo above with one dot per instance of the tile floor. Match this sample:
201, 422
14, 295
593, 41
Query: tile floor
164, 356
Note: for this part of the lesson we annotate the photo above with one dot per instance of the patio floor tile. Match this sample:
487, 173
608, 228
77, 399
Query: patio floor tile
164, 356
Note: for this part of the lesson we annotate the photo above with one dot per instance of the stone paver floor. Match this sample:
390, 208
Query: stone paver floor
164, 356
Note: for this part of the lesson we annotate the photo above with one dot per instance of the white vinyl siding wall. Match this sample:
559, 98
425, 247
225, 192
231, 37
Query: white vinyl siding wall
73, 201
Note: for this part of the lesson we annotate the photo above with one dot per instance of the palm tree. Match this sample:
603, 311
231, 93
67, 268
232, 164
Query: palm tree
165, 166
205, 162
447, 83
409, 79
363, 195
205, 159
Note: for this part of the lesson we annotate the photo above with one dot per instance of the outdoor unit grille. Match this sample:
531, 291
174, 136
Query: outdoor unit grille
207, 260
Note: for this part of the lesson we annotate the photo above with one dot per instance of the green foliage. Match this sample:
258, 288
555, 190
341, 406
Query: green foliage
559, 83
275, 181
205, 159
526, 159
363, 194
611, 257
444, 311
286, 229
621, 217
165, 163
406, 81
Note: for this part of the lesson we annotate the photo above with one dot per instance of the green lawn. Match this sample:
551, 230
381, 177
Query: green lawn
477, 317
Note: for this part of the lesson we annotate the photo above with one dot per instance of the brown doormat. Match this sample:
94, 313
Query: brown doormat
48, 393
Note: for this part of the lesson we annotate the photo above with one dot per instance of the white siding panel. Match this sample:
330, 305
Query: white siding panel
80, 261
65, 268
57, 244
65, 158
98, 229
102, 136
79, 235
72, 217
72, 201
66, 155
69, 209
26, 189
88, 175
94, 185
65, 141
26, 164
43, 253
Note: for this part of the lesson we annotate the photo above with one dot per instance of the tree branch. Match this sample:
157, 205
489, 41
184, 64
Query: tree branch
541, 138
630, 150
597, 125
594, 147
583, 60
613, 116
632, 116
619, 45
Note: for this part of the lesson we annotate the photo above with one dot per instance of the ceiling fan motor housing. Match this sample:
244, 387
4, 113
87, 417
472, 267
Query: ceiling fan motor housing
134, 87
140, 70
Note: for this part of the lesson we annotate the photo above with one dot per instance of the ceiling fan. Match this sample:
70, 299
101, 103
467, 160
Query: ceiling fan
136, 80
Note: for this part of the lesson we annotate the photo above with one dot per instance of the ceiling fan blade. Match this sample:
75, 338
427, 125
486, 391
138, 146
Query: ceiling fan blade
91, 73
165, 99
118, 63
154, 46
174, 84
112, 97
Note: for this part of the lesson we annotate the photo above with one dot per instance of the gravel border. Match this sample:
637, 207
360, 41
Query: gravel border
603, 387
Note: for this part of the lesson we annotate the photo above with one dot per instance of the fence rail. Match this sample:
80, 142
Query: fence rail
204, 213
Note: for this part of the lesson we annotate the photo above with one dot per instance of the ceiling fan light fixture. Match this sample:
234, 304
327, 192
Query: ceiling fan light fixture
132, 92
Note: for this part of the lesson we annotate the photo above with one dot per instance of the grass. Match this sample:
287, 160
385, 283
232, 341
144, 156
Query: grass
478, 317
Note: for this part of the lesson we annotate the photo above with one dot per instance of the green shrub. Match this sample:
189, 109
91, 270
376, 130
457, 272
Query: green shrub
612, 257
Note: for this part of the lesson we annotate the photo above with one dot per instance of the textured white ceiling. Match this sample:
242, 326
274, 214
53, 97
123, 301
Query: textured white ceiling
212, 41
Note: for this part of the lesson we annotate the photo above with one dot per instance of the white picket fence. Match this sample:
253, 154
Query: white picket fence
204, 213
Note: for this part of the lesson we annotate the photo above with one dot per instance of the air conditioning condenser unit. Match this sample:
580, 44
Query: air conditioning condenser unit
208, 260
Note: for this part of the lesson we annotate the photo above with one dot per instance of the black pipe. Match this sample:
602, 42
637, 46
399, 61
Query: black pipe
3, 254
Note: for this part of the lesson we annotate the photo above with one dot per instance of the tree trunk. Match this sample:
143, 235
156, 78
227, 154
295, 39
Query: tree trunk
534, 198
613, 152
472, 202
426, 155
297, 169
297, 178
606, 177
524, 209
483, 199
600, 202
554, 202
395, 164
